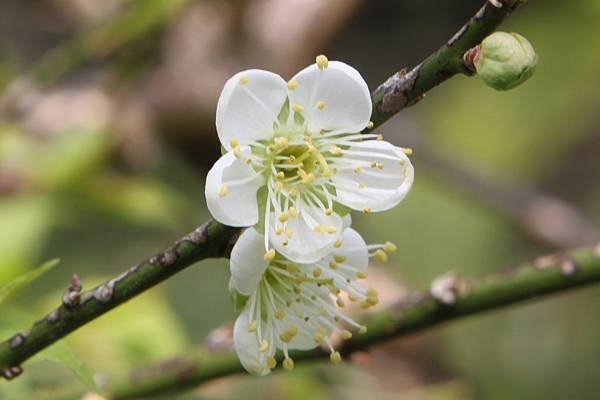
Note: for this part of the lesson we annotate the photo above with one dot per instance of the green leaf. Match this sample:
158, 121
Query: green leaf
24, 280
239, 300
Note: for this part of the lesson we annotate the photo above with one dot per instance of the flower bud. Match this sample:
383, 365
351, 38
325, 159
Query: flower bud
505, 60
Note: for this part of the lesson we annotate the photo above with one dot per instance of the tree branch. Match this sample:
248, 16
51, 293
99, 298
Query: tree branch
405, 89
214, 239
450, 298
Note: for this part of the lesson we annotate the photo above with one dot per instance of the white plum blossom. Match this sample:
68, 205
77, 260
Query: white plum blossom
295, 158
298, 306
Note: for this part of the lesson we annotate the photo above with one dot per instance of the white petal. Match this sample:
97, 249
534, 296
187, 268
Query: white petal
247, 262
248, 111
344, 92
246, 346
354, 249
373, 188
306, 244
239, 206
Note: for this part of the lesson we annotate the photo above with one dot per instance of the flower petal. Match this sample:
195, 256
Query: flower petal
307, 244
249, 105
235, 203
385, 176
355, 250
344, 93
247, 262
247, 347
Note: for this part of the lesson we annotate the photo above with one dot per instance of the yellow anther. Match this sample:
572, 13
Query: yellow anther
328, 211
367, 210
278, 230
357, 169
280, 175
291, 268
264, 346
318, 338
380, 137
346, 334
322, 132
322, 61
279, 314
293, 193
338, 243
297, 108
334, 170
361, 185
285, 337
278, 187
223, 190
408, 151
339, 258
237, 152
361, 275
380, 256
271, 362
269, 255
288, 232
365, 305
243, 80
335, 290
335, 150
333, 265
288, 364
320, 104
372, 292
340, 303
335, 357
374, 164
283, 217
248, 161
233, 142
292, 158
389, 247
293, 212
370, 125
253, 326
372, 300
362, 330
292, 84
352, 297
325, 229
293, 330
317, 272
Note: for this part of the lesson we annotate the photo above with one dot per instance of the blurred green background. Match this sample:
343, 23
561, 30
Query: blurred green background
106, 133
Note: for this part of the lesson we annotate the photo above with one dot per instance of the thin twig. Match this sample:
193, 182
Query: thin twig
450, 298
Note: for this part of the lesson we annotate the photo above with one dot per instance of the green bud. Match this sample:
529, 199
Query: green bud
505, 60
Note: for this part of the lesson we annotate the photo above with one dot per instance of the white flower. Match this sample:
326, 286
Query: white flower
297, 306
296, 158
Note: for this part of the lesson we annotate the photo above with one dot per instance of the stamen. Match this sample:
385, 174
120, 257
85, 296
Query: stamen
322, 61
252, 327
243, 80
320, 104
389, 247
346, 334
297, 108
380, 256
270, 255
292, 84
288, 364
408, 151
370, 125
271, 362
264, 346
335, 357
339, 258
325, 229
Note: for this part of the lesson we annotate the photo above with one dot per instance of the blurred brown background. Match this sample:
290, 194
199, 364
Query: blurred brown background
107, 129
